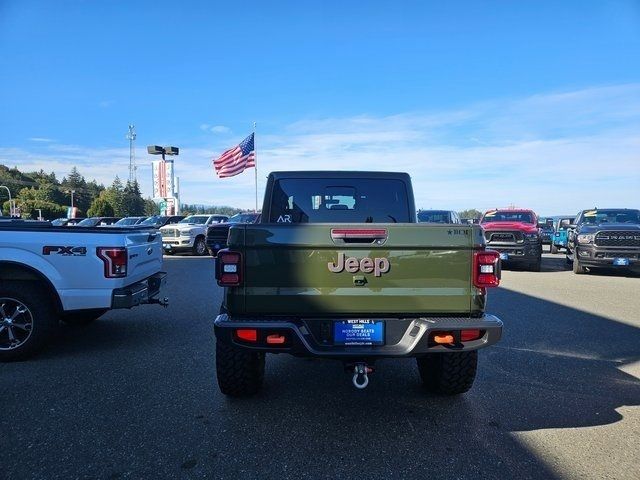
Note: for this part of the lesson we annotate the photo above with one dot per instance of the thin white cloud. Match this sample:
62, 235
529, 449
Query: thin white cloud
556, 153
40, 139
218, 129
105, 103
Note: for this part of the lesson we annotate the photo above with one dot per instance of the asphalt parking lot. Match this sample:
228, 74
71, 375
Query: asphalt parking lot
134, 396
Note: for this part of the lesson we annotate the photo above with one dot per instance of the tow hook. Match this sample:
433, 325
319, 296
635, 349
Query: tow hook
361, 373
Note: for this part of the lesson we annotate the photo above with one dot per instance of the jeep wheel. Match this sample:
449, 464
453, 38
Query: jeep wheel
577, 268
554, 249
199, 246
26, 320
448, 373
83, 317
240, 372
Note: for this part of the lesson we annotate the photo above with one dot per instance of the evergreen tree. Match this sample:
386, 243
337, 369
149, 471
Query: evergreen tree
101, 207
114, 195
29, 200
133, 203
151, 208
75, 181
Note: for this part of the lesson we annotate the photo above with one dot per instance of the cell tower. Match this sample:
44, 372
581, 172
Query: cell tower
131, 136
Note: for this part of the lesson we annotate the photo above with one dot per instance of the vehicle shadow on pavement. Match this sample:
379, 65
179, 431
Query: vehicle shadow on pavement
556, 367
557, 263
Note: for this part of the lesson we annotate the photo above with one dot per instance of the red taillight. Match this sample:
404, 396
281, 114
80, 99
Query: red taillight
468, 335
247, 334
486, 269
115, 261
229, 268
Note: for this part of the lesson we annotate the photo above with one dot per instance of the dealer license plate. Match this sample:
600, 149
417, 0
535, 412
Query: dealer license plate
623, 262
358, 332
504, 256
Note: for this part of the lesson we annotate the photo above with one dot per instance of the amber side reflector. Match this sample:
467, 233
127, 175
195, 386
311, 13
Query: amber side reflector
443, 338
247, 334
276, 339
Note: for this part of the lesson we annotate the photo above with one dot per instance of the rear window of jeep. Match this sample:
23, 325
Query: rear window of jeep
307, 200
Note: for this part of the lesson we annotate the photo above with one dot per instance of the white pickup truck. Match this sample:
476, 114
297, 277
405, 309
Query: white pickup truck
50, 273
189, 234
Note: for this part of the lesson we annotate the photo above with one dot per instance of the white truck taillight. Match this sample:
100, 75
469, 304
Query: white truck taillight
115, 261
229, 268
486, 269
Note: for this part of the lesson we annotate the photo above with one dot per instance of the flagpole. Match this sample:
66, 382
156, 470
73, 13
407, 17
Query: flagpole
255, 159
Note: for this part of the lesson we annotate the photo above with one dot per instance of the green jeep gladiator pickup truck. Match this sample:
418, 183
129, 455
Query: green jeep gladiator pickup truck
339, 268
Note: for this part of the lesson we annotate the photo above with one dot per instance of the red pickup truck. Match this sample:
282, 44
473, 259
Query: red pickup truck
515, 234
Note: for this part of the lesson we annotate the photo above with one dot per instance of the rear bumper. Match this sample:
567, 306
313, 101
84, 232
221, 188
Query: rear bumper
406, 337
592, 256
150, 290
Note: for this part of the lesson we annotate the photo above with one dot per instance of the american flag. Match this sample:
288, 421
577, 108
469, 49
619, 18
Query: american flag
236, 159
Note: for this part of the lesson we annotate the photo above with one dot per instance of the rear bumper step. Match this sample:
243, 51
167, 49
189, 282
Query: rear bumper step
150, 290
404, 337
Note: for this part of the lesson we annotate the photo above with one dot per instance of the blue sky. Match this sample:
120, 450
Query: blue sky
485, 103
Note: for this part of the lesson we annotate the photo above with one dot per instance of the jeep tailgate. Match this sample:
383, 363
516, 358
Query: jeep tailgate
286, 269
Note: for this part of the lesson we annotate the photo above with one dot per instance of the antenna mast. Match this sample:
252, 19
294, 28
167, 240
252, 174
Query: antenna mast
131, 136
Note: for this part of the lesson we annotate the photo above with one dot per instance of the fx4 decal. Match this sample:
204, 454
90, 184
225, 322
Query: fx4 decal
65, 251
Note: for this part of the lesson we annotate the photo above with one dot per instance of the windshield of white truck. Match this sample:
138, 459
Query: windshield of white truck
195, 220
339, 200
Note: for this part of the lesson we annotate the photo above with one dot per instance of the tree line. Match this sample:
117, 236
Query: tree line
33, 191
41, 191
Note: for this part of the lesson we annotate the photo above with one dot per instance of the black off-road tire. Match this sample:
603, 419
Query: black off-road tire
199, 246
448, 373
41, 310
577, 268
83, 317
554, 249
240, 372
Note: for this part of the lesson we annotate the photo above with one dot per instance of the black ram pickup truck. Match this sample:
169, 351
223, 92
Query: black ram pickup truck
607, 237
217, 234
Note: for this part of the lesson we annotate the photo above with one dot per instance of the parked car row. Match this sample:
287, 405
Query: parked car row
595, 238
155, 221
189, 234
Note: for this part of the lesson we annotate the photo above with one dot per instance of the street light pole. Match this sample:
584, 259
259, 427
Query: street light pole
10, 201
